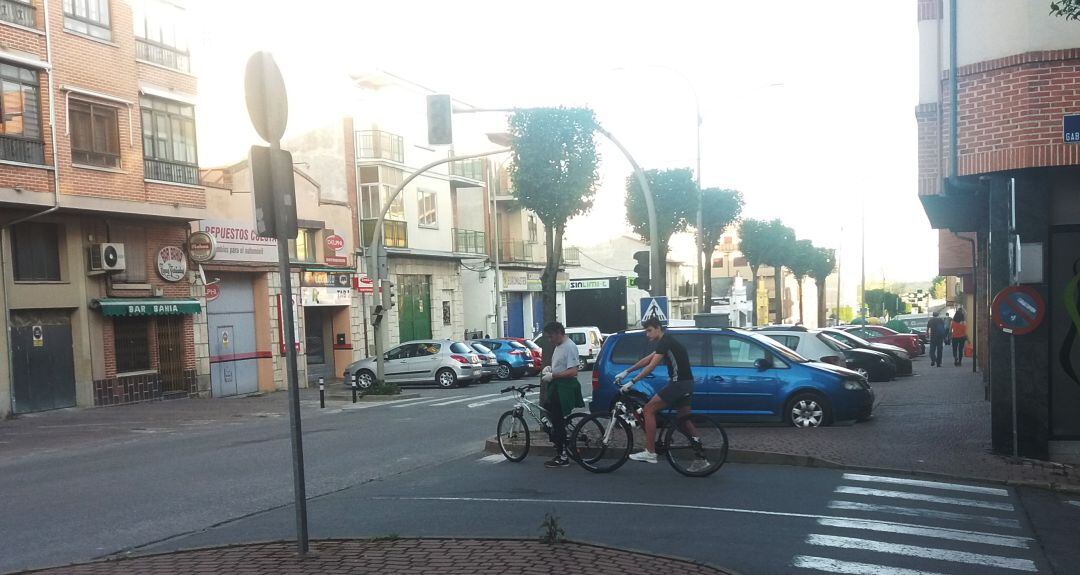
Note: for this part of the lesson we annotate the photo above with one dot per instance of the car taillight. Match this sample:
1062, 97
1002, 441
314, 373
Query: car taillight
595, 380
460, 358
517, 352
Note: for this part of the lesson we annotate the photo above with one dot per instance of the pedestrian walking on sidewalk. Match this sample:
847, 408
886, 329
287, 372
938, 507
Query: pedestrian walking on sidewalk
935, 330
563, 392
958, 332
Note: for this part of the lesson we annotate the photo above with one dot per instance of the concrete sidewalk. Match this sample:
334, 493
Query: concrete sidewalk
399, 556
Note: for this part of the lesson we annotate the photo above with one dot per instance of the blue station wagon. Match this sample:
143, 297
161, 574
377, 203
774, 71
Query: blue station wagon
741, 376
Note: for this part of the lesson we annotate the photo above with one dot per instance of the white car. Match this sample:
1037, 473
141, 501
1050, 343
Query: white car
588, 341
817, 345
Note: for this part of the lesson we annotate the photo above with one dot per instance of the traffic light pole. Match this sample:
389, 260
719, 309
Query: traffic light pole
373, 257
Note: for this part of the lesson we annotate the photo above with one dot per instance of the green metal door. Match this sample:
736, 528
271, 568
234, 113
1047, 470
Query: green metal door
414, 313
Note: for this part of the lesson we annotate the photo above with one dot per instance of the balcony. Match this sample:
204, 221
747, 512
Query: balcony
395, 233
571, 257
465, 173
379, 145
470, 241
13, 149
522, 252
159, 54
165, 171
18, 12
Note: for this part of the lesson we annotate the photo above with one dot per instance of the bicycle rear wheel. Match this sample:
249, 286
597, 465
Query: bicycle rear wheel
593, 451
573, 422
513, 436
696, 445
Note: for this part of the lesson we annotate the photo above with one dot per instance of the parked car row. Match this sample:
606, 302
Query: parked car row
447, 363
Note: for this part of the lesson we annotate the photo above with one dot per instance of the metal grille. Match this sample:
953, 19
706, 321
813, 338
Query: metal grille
170, 336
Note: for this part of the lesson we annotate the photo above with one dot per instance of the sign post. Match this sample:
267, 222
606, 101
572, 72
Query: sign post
268, 108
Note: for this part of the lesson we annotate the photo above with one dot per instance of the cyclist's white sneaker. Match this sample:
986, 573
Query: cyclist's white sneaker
644, 455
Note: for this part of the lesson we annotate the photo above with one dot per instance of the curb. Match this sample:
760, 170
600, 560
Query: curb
542, 448
369, 398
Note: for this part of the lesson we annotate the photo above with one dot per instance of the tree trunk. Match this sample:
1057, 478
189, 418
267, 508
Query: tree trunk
802, 316
706, 284
550, 275
753, 296
778, 282
820, 284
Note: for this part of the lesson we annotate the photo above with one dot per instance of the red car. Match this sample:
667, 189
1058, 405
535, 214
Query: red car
537, 353
909, 342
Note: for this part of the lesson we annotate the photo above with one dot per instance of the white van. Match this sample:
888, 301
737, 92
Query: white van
588, 341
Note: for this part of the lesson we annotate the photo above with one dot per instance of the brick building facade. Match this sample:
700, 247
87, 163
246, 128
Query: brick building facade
1005, 173
97, 147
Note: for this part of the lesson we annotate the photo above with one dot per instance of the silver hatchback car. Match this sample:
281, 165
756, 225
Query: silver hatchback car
444, 362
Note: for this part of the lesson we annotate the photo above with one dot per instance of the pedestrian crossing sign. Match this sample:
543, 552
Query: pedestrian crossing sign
655, 307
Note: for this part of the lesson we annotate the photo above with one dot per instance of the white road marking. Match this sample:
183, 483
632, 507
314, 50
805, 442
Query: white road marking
852, 568
938, 532
463, 400
924, 497
428, 400
924, 513
498, 399
497, 458
929, 484
922, 552
1075, 503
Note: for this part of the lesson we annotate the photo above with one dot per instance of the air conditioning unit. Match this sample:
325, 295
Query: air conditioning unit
107, 257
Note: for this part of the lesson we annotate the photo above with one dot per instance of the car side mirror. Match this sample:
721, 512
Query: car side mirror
763, 363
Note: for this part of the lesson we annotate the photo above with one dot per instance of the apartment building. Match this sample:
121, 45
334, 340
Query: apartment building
98, 181
1006, 173
728, 262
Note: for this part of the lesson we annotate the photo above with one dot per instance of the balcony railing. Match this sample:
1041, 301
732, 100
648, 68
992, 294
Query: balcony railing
571, 257
395, 233
17, 12
21, 150
518, 251
159, 54
470, 241
378, 145
165, 171
472, 169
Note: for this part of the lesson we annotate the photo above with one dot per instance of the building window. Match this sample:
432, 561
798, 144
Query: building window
376, 185
20, 112
169, 152
739, 262
36, 252
19, 12
379, 145
90, 17
131, 342
533, 233
161, 34
95, 135
134, 240
426, 209
302, 249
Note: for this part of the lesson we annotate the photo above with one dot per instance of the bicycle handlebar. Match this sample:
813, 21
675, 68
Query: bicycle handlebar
522, 389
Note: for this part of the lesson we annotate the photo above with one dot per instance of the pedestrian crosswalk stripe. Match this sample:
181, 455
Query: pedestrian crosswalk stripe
463, 400
925, 497
922, 552
924, 513
498, 399
929, 484
922, 531
428, 400
852, 568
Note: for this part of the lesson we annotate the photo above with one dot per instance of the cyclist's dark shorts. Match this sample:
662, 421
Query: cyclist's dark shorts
677, 394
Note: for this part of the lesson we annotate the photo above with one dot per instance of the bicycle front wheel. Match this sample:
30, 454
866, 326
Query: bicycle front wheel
513, 436
602, 444
573, 422
696, 445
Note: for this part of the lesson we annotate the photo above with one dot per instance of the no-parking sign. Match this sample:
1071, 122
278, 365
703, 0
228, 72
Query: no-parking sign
1018, 310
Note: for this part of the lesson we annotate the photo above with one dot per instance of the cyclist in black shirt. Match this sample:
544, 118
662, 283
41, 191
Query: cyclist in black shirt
677, 392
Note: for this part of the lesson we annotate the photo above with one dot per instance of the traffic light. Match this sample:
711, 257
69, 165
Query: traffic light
439, 126
391, 294
641, 269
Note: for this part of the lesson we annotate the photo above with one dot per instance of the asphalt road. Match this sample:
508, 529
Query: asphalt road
414, 467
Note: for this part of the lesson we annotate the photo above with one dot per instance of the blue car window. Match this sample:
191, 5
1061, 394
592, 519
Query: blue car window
728, 351
631, 348
696, 345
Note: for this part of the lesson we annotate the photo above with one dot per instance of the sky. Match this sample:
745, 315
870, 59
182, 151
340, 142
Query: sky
807, 107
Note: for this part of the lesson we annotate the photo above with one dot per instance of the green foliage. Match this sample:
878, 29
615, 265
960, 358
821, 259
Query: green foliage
1067, 9
937, 288
822, 264
553, 170
384, 388
765, 243
882, 303
675, 196
719, 209
847, 313
800, 257
551, 532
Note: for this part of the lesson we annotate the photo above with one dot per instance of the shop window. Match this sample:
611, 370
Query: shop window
36, 251
131, 341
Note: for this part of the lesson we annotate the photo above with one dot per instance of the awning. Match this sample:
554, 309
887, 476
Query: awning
138, 307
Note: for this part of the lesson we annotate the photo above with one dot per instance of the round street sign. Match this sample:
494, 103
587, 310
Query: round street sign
264, 89
213, 291
201, 247
1018, 310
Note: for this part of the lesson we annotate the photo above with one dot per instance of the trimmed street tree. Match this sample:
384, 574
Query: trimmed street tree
553, 173
766, 243
822, 266
799, 261
719, 209
675, 196
1067, 9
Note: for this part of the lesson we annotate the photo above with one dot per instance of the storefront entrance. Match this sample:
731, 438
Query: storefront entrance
414, 307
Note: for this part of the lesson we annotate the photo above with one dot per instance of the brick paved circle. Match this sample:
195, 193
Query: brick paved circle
399, 556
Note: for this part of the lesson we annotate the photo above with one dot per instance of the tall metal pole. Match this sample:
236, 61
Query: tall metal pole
862, 255
497, 245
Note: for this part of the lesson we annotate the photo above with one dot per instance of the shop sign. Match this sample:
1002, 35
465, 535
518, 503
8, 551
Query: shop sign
1070, 127
335, 242
589, 284
318, 278
336, 261
363, 284
148, 307
321, 296
201, 247
515, 281
213, 291
239, 242
171, 263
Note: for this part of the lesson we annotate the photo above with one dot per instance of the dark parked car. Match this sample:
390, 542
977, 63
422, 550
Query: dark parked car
488, 359
515, 360
875, 365
899, 356
741, 376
